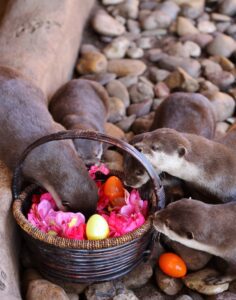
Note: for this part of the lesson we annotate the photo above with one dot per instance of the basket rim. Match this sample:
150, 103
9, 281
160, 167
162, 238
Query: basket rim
65, 243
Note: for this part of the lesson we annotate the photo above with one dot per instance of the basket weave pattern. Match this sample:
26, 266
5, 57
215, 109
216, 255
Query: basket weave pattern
85, 261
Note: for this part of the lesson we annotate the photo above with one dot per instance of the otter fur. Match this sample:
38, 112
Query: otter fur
208, 166
82, 104
186, 112
24, 117
203, 227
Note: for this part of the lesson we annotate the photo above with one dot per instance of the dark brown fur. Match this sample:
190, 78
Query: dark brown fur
211, 226
82, 104
24, 118
186, 112
215, 162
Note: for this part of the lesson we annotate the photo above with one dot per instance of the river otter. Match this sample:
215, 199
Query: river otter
82, 104
186, 112
24, 118
204, 227
208, 166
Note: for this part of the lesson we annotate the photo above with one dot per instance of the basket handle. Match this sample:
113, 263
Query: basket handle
96, 136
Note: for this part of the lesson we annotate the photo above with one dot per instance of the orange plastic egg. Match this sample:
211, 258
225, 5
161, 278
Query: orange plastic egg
172, 265
113, 188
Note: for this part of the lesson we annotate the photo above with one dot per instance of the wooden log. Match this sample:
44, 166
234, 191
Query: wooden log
41, 39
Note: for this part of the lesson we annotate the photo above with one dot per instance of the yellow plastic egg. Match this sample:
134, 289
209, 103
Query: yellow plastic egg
97, 228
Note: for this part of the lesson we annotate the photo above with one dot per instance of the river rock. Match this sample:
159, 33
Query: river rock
133, 26
170, 63
157, 75
184, 297
191, 9
228, 7
28, 276
126, 123
139, 276
207, 87
105, 24
101, 291
72, 296
43, 289
221, 129
129, 9
116, 88
181, 79
222, 79
116, 110
88, 48
135, 53
140, 92
161, 90
114, 131
145, 42
210, 66
111, 2
124, 67
194, 259
129, 80
184, 27
102, 78
170, 8
113, 160
117, 48
126, 295
195, 281
149, 292
169, 285
223, 105
202, 39
143, 124
225, 63
157, 19
92, 62
206, 26
193, 49
222, 45
223, 296
139, 109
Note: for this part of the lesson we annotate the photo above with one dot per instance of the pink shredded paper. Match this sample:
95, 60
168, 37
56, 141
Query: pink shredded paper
121, 219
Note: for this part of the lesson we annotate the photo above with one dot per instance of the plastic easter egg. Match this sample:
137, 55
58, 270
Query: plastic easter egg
97, 228
113, 188
172, 265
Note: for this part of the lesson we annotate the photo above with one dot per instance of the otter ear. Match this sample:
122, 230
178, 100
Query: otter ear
182, 151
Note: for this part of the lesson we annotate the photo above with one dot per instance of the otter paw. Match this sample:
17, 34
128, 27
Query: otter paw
217, 279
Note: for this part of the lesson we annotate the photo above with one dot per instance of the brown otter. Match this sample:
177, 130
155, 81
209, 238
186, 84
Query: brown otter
82, 104
204, 227
24, 117
186, 112
208, 166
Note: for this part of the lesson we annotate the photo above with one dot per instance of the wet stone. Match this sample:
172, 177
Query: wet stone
105, 24
139, 109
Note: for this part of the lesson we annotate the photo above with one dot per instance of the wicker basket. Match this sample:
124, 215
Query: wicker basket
60, 259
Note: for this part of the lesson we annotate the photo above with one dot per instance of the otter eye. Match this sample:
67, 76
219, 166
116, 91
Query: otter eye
155, 147
189, 235
65, 203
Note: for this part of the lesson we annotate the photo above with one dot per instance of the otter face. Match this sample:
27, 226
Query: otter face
89, 151
134, 173
164, 148
187, 221
57, 167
